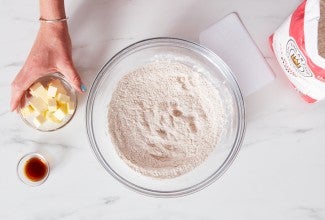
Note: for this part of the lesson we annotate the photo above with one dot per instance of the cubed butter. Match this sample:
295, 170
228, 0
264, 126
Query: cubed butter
70, 107
38, 104
39, 120
60, 88
44, 113
52, 106
63, 98
38, 90
48, 114
60, 114
51, 117
51, 91
26, 111
36, 87
63, 106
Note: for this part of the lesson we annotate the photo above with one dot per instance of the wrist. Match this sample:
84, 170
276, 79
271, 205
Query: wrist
53, 20
54, 26
58, 30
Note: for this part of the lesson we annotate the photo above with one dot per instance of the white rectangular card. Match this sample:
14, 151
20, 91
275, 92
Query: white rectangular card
230, 40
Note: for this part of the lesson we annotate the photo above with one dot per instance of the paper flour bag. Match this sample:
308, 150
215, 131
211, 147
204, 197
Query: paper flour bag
299, 46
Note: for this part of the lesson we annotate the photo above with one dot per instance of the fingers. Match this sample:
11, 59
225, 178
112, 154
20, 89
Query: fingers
24, 79
20, 84
73, 77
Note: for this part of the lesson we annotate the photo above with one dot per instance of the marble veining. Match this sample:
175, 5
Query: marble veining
312, 213
14, 64
279, 173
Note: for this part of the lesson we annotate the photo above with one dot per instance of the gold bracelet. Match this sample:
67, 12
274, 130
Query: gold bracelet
53, 20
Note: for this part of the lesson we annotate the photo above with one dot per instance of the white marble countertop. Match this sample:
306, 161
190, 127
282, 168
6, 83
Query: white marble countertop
279, 173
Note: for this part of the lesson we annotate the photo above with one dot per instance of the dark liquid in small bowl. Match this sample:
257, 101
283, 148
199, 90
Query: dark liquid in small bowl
36, 169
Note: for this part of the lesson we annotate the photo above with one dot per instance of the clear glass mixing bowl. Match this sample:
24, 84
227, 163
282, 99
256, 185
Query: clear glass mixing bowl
197, 57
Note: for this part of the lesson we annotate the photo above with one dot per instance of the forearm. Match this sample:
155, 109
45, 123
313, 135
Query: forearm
51, 52
52, 9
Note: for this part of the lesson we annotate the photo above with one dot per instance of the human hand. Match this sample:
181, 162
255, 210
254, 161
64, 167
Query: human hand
50, 53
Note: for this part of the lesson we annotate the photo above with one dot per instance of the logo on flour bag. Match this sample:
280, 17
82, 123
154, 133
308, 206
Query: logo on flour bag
297, 60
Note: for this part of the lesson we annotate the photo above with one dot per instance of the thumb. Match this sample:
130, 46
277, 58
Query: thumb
73, 77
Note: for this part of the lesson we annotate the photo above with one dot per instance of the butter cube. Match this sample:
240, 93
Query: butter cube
36, 87
60, 113
51, 117
38, 104
63, 106
26, 111
48, 114
51, 91
39, 120
44, 113
38, 90
70, 107
60, 88
52, 106
63, 98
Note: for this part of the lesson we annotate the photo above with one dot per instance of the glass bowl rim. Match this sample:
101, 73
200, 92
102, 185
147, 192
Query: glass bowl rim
61, 77
30, 156
216, 60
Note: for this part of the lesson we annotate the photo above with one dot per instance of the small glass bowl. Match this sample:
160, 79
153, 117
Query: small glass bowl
48, 125
21, 169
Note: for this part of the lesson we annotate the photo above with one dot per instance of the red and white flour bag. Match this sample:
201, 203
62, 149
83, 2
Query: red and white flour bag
299, 46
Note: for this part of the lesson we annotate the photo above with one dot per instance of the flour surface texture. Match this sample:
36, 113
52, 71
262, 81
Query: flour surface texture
165, 119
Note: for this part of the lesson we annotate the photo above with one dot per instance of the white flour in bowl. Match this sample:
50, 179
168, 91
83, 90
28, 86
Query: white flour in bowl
165, 118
